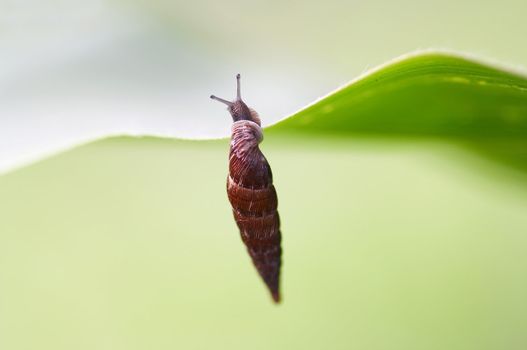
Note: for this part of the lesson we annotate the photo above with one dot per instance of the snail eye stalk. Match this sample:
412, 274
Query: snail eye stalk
228, 103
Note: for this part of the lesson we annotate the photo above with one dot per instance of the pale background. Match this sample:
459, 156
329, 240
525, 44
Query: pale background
72, 70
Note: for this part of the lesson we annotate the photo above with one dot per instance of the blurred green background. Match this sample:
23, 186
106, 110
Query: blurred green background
402, 198
130, 244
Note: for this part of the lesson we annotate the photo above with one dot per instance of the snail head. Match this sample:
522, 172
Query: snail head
237, 108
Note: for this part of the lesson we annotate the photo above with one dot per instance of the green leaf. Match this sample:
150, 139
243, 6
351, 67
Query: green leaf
428, 96
425, 95
389, 242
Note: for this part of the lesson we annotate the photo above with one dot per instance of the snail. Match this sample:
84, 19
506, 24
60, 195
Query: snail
251, 193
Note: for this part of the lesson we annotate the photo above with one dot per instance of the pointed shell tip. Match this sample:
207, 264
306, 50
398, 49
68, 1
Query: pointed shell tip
276, 297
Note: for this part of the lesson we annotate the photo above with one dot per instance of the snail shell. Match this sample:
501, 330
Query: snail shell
252, 194
254, 202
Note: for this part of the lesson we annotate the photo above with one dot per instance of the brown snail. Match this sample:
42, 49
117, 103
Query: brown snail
252, 194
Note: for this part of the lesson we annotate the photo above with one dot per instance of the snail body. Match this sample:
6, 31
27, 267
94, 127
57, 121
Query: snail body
252, 194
